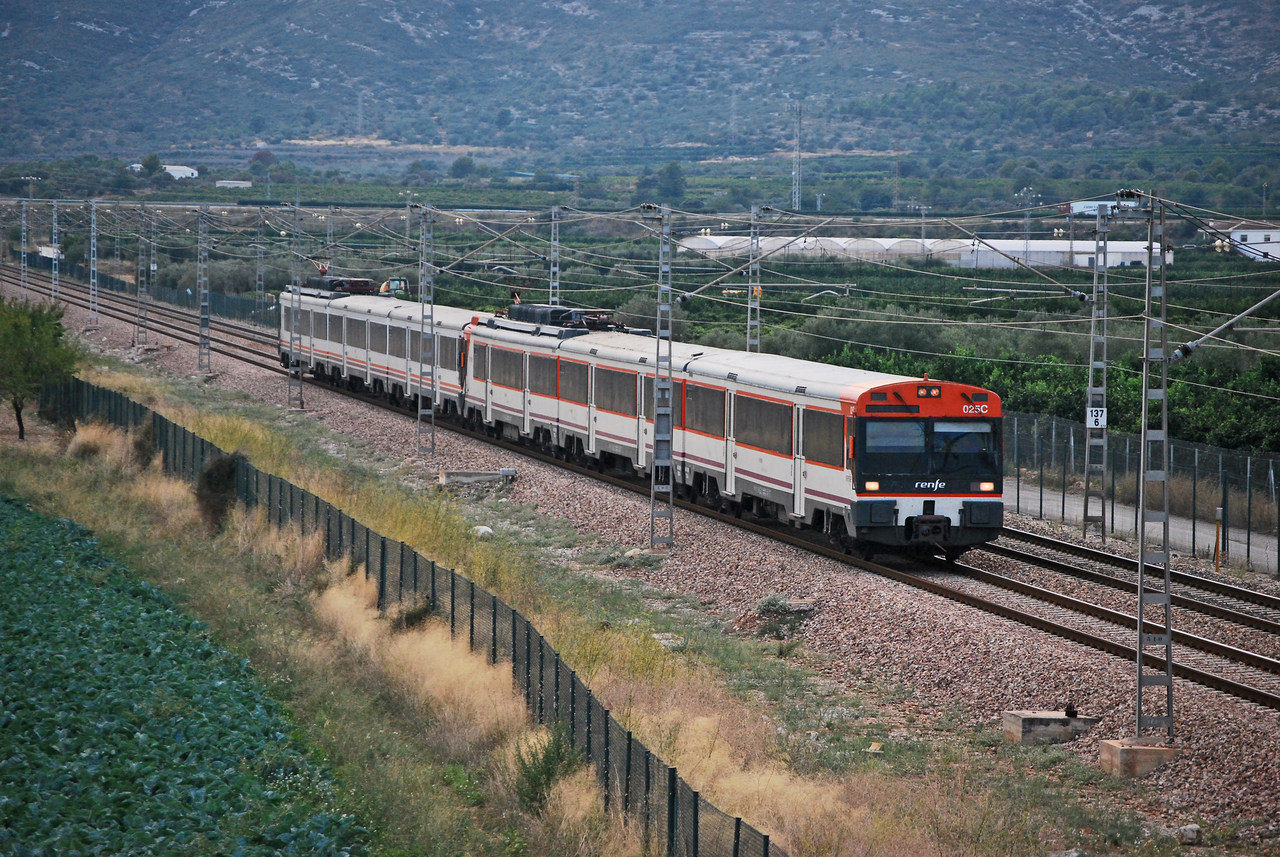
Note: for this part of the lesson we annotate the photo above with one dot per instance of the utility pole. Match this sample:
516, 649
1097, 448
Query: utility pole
553, 278
426, 334
296, 401
57, 254
141, 327
662, 487
795, 163
259, 291
753, 283
1095, 421
93, 262
1155, 607
203, 357
22, 279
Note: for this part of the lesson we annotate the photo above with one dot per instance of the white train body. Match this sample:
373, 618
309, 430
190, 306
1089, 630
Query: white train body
876, 460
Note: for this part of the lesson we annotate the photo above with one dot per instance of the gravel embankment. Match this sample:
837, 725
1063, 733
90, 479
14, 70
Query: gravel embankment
874, 630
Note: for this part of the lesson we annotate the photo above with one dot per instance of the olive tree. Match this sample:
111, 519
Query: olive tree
33, 352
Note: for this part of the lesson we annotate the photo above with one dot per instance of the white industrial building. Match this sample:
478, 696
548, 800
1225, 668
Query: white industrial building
963, 253
1257, 239
177, 171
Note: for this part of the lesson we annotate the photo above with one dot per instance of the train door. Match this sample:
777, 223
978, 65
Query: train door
343, 322
526, 400
730, 445
799, 473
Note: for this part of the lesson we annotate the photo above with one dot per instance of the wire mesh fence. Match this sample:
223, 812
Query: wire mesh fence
260, 309
1218, 499
673, 819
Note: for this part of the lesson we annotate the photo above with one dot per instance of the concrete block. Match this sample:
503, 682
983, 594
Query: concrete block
1128, 758
471, 477
1044, 727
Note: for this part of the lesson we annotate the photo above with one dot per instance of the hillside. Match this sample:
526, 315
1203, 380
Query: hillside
630, 82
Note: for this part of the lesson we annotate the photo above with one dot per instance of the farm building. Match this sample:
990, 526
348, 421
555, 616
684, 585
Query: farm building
1257, 239
963, 253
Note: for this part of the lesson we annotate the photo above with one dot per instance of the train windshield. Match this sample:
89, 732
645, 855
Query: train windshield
929, 447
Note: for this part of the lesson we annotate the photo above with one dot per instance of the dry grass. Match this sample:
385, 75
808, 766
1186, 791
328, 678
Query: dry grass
474, 710
724, 747
474, 702
100, 442
141, 388
389, 705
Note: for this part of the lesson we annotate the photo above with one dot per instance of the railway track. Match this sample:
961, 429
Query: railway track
240, 342
1249, 675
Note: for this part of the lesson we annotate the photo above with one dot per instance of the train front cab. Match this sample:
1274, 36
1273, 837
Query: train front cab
927, 467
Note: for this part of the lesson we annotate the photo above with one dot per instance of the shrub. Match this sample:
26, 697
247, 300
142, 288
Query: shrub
537, 768
216, 489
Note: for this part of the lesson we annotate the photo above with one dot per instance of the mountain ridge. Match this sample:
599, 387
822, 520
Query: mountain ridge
558, 78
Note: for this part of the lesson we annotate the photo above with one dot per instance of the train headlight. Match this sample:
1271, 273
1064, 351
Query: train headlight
930, 392
871, 486
986, 486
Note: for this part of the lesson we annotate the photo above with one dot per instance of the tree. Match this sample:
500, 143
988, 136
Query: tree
33, 352
464, 166
671, 183
151, 164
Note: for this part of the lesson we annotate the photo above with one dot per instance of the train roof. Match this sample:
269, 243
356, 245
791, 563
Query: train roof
773, 372
380, 306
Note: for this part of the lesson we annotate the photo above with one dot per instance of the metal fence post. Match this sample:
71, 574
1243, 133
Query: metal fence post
1226, 519
608, 775
1040, 461
493, 630
671, 812
382, 575
1017, 469
1064, 487
1195, 490
693, 826
626, 779
573, 708
1248, 509
542, 653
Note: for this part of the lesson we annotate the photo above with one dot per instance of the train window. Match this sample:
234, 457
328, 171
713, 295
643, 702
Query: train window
446, 351
416, 347
616, 391
378, 338
356, 333
893, 446
304, 322
573, 382
542, 375
396, 340
480, 362
704, 409
677, 401
286, 313
823, 437
507, 368
967, 446
764, 425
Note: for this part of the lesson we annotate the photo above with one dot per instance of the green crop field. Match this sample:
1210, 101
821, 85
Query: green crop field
125, 730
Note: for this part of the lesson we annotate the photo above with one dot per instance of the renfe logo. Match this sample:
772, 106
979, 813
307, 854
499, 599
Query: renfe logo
935, 485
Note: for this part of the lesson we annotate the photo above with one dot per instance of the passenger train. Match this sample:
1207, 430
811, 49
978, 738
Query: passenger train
878, 462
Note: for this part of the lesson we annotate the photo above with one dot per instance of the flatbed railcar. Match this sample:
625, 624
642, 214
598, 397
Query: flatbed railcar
878, 462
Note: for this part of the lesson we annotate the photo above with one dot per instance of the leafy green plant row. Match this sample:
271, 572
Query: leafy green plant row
126, 730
